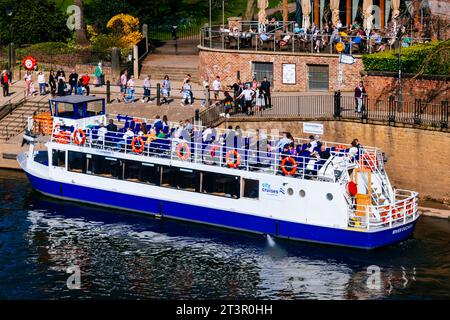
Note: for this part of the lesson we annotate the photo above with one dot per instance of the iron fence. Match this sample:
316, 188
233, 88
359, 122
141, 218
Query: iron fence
164, 33
340, 107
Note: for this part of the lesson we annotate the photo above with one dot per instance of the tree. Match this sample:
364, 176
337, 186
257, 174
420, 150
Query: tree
36, 21
80, 34
251, 4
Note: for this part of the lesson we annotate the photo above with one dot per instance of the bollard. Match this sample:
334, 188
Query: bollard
158, 94
108, 91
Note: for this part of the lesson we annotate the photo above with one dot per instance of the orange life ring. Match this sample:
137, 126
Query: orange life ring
141, 144
78, 141
233, 164
62, 136
339, 148
186, 151
294, 166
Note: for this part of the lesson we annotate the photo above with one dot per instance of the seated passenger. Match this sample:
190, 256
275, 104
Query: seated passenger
128, 134
111, 127
150, 136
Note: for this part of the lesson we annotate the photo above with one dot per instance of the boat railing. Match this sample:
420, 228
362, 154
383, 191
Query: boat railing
398, 212
266, 159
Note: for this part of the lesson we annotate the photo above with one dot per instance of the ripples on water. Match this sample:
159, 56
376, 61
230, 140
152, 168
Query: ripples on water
130, 256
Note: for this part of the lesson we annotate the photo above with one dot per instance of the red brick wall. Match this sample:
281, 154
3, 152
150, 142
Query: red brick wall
430, 90
215, 62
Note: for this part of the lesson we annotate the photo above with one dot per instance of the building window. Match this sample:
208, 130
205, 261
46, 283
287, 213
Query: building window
77, 162
318, 77
251, 188
221, 185
261, 70
59, 158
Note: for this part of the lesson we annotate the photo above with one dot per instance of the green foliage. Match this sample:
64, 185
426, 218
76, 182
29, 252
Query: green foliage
427, 58
47, 48
32, 21
103, 44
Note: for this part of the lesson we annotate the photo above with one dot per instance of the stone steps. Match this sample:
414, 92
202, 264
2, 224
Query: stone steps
15, 122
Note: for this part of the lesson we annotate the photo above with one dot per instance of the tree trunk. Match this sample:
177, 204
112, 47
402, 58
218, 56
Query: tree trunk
250, 9
80, 34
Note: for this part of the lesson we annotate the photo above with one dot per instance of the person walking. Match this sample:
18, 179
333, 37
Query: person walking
27, 78
73, 80
265, 90
130, 90
247, 94
360, 91
5, 83
41, 82
147, 89
165, 89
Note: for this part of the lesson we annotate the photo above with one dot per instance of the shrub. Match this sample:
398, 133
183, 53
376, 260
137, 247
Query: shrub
46, 48
426, 58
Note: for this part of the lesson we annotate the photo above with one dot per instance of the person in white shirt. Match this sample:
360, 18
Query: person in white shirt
130, 90
248, 99
187, 93
41, 82
101, 132
216, 87
147, 88
28, 80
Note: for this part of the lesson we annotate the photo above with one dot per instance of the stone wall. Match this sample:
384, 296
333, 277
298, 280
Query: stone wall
432, 89
226, 64
418, 159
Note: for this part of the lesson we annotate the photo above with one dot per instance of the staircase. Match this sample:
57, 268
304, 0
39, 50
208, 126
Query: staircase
176, 74
16, 120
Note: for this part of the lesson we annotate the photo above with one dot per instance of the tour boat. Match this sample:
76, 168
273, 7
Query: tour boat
219, 177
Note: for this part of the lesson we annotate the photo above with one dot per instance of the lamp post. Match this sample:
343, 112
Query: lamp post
223, 13
9, 13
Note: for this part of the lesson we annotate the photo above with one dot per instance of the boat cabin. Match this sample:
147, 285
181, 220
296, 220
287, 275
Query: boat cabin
78, 111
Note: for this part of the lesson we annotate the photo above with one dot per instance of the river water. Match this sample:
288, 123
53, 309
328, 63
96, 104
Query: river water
124, 255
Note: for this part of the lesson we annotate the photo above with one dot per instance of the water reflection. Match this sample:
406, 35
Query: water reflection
125, 255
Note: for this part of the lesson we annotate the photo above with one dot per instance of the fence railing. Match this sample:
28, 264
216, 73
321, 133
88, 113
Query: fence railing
164, 33
416, 113
288, 40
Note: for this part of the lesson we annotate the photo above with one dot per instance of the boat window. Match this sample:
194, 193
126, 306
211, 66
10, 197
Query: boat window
94, 108
251, 188
105, 166
77, 162
65, 110
188, 180
135, 171
58, 158
221, 185
168, 177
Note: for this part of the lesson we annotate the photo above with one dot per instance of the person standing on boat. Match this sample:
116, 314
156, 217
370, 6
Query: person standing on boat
360, 91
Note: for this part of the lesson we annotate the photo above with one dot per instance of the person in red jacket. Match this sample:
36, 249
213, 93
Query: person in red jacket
5, 83
85, 81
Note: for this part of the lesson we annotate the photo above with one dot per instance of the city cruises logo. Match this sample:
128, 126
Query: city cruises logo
268, 189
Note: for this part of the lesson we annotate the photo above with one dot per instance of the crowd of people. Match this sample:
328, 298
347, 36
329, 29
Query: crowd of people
60, 85
354, 36
248, 97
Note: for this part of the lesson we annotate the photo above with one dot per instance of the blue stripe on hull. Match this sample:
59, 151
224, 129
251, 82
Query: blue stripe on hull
284, 229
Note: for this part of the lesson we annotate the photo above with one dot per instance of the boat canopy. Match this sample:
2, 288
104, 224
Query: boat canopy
77, 107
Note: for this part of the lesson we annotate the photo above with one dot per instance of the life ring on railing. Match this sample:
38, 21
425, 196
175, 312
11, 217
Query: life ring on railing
339, 148
294, 166
237, 162
81, 139
62, 137
186, 151
141, 144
